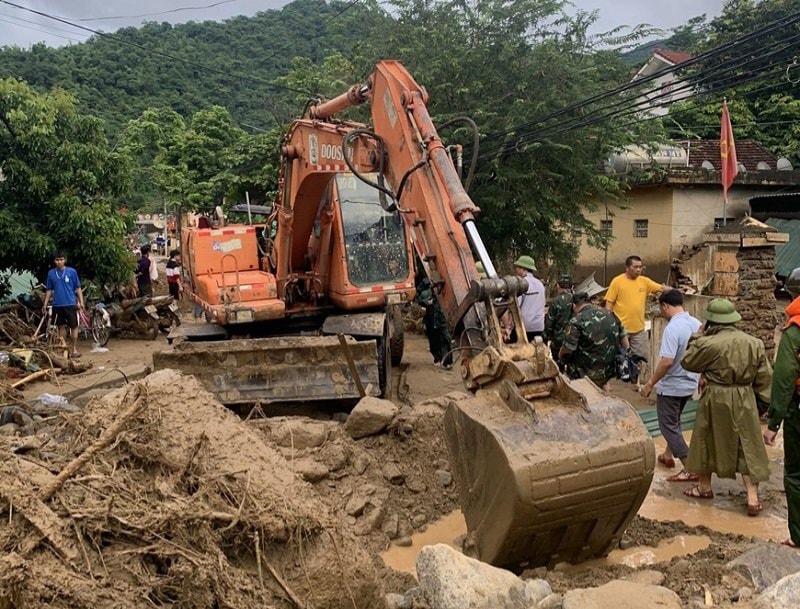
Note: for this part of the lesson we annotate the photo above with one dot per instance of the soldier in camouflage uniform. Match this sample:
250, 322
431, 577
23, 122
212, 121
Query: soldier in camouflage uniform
558, 315
591, 341
439, 341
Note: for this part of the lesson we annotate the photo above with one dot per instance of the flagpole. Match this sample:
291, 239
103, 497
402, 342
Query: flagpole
724, 190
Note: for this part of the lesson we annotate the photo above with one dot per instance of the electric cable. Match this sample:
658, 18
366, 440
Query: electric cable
645, 101
632, 107
173, 10
791, 19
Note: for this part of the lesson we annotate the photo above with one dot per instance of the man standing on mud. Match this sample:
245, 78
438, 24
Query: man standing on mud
727, 432
674, 385
784, 410
626, 298
558, 315
64, 289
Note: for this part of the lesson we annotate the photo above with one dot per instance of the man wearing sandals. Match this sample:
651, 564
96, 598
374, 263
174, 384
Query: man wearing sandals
64, 289
784, 410
674, 385
727, 433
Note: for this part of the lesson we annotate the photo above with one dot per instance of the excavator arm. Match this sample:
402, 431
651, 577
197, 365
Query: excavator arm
548, 469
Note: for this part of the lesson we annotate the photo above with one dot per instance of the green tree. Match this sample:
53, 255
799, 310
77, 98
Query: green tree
59, 178
758, 77
505, 63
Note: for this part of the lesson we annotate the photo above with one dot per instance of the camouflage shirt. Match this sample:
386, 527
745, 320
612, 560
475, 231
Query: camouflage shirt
593, 338
558, 315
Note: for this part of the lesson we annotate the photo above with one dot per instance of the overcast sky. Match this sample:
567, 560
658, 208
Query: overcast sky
22, 28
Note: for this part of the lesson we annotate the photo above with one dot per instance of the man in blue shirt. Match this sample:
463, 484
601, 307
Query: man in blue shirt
674, 385
64, 290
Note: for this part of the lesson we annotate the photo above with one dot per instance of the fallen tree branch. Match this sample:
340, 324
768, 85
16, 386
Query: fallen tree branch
106, 439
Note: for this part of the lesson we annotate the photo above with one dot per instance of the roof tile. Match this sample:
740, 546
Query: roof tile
748, 152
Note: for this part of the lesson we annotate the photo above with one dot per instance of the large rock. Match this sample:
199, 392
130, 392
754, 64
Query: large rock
370, 416
767, 564
784, 594
620, 594
450, 580
300, 433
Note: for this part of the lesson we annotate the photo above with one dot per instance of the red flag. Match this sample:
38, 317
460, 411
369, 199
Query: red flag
727, 152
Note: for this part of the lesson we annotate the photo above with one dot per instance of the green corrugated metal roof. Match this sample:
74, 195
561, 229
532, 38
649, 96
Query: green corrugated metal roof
787, 255
650, 418
20, 282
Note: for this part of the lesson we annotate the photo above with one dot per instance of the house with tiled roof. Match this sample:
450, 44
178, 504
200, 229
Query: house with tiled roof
661, 88
675, 198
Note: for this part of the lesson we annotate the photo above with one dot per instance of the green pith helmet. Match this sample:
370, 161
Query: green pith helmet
481, 270
526, 262
721, 311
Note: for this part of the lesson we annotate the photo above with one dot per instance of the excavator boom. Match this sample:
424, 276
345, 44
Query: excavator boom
548, 470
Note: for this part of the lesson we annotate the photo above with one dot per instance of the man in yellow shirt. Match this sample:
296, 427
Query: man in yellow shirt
627, 296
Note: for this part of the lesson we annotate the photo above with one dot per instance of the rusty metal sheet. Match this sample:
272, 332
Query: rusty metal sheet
282, 369
358, 324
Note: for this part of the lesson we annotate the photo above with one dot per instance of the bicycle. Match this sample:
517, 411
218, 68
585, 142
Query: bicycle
96, 325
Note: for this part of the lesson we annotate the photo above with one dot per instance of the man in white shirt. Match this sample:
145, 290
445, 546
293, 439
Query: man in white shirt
674, 385
531, 303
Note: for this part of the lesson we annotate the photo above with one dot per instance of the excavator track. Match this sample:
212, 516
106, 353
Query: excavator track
558, 482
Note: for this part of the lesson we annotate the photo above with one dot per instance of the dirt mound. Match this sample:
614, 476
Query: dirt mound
382, 488
164, 498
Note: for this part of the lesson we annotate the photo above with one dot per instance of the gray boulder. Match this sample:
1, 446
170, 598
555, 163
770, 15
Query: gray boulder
783, 594
619, 594
450, 580
767, 564
369, 417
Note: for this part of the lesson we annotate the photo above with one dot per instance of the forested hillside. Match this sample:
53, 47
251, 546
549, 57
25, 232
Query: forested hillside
118, 78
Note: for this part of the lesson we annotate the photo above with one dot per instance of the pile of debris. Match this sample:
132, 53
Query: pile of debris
147, 498
26, 355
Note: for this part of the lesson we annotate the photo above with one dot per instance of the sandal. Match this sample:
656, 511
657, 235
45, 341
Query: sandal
698, 493
788, 542
754, 509
683, 476
666, 461
75, 355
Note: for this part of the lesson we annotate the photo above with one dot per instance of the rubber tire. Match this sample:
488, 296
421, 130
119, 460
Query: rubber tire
100, 331
398, 340
384, 363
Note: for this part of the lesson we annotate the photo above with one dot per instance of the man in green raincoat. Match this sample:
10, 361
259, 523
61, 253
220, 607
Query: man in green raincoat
784, 410
727, 433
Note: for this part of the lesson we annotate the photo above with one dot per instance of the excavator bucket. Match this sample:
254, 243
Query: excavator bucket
551, 482
282, 369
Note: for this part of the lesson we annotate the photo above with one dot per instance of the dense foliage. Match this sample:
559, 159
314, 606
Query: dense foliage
59, 177
200, 113
759, 77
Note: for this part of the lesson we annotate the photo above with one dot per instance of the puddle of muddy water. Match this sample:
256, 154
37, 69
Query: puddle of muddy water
445, 530
642, 556
664, 502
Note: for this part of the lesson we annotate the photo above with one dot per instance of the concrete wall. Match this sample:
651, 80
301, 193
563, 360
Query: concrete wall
678, 217
696, 207
651, 204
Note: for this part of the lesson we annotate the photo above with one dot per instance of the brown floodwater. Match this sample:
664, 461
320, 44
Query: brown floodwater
665, 502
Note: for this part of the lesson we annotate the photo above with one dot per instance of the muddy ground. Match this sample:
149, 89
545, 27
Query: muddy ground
384, 490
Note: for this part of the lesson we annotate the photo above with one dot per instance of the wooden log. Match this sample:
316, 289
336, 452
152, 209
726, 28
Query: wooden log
31, 377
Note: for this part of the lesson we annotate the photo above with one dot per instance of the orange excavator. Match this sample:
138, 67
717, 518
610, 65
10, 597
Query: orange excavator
548, 469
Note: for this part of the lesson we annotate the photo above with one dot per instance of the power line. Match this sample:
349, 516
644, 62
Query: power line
350, 5
633, 106
36, 29
635, 84
227, 74
174, 10
40, 24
